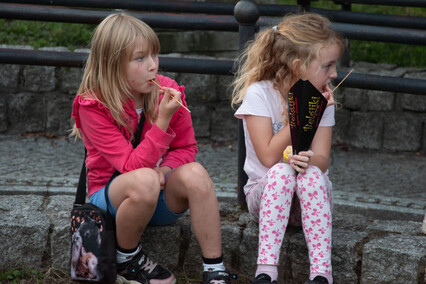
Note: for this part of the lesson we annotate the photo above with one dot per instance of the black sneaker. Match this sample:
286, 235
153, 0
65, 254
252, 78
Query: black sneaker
218, 277
317, 280
263, 279
143, 270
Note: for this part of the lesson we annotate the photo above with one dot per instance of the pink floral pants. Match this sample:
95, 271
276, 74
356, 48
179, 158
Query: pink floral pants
270, 202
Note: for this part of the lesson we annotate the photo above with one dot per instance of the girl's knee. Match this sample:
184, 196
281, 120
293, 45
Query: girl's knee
282, 175
312, 174
313, 170
195, 177
281, 168
146, 186
313, 184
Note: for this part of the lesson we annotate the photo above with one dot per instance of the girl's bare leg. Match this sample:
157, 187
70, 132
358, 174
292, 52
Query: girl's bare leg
135, 196
190, 186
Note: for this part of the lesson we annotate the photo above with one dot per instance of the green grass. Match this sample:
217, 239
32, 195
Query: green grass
393, 53
47, 34
374, 9
17, 276
402, 55
380, 52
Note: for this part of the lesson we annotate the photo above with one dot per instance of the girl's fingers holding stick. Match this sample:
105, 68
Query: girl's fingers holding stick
328, 94
172, 95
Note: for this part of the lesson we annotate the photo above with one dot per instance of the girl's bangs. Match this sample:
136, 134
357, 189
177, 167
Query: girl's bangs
153, 43
145, 44
146, 35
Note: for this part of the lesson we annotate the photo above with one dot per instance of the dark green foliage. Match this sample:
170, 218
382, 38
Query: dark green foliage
41, 34
380, 52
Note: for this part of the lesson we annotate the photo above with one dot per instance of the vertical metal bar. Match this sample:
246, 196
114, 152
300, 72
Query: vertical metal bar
347, 5
304, 5
346, 58
246, 13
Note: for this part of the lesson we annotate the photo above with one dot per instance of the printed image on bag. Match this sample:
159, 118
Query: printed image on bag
86, 241
91, 258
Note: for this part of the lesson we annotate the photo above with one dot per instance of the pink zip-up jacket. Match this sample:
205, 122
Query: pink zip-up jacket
109, 147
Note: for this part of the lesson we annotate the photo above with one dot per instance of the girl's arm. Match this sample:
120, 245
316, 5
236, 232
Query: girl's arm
183, 148
110, 141
269, 148
321, 147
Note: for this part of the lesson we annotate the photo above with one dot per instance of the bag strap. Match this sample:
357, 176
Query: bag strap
138, 132
80, 197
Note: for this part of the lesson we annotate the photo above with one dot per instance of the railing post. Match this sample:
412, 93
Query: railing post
345, 60
304, 5
347, 5
247, 14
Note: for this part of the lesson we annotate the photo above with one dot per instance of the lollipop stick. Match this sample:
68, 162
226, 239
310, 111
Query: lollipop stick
172, 96
343, 80
156, 84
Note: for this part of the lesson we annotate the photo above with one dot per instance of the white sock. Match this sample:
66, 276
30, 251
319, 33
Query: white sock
270, 270
123, 257
214, 267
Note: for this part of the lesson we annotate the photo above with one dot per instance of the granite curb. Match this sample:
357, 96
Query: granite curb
378, 214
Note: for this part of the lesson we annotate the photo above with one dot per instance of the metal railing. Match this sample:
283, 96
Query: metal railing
245, 17
402, 3
40, 11
78, 59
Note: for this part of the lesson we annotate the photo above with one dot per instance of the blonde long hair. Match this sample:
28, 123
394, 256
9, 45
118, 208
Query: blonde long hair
270, 55
104, 77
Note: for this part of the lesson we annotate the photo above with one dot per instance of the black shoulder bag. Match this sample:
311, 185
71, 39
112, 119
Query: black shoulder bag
93, 241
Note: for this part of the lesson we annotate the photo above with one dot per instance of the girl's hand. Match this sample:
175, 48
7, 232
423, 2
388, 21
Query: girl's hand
168, 106
161, 177
300, 161
328, 94
162, 174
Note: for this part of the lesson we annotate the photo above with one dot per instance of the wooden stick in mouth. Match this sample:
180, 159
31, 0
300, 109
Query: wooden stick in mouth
343, 80
172, 95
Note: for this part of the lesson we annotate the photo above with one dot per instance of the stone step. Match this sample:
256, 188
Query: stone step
365, 250
377, 217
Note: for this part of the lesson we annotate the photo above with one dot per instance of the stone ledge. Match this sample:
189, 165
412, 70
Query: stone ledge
364, 249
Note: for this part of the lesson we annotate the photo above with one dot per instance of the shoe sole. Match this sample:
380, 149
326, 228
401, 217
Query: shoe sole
121, 280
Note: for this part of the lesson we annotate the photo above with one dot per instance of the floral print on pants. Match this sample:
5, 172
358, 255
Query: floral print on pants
270, 202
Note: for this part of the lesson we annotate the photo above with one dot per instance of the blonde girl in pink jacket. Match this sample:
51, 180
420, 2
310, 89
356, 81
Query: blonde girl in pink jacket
159, 178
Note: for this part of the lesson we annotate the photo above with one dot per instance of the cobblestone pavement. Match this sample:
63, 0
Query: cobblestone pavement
36, 164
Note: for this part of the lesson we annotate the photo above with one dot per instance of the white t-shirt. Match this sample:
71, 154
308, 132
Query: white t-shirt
263, 100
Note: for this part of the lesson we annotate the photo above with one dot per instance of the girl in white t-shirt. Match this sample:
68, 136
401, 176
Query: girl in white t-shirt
301, 47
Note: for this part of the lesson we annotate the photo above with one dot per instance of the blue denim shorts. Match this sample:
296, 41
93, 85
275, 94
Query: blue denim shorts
162, 214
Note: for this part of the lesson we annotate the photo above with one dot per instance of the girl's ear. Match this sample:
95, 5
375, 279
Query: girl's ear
295, 66
298, 69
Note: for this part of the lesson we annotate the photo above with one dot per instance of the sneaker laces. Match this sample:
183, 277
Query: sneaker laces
149, 265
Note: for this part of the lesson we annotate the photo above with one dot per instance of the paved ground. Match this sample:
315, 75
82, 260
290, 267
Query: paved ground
362, 180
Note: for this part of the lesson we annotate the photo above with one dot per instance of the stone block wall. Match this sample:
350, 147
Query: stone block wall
38, 99
379, 120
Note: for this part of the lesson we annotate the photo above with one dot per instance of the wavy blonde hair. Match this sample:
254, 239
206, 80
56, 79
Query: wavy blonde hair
104, 77
270, 55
